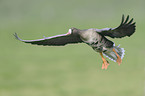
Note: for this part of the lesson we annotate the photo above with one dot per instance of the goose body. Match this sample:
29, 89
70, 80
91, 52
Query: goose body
95, 38
98, 42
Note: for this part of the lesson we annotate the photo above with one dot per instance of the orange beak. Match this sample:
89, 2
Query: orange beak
68, 33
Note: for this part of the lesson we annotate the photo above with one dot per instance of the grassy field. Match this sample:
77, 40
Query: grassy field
73, 70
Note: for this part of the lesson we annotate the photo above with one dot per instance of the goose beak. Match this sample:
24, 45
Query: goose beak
69, 32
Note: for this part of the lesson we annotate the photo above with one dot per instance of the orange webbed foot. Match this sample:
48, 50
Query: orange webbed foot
119, 61
105, 62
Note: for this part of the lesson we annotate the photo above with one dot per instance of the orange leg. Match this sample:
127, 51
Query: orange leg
105, 63
119, 61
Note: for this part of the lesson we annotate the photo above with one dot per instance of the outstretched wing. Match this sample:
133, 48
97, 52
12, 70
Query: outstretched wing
126, 28
58, 40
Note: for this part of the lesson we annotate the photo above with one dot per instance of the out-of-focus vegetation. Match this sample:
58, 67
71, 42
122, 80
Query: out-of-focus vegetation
73, 70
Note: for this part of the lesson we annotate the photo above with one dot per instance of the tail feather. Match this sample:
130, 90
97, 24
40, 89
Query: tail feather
111, 55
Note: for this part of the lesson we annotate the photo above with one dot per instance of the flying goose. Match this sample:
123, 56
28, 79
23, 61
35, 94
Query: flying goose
95, 38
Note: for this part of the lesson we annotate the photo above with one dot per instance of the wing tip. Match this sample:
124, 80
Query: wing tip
127, 21
127, 18
16, 36
124, 20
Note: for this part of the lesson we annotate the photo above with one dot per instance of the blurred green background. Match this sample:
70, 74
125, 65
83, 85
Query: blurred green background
73, 70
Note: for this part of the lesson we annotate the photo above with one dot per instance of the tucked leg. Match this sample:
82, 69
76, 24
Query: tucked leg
119, 61
105, 63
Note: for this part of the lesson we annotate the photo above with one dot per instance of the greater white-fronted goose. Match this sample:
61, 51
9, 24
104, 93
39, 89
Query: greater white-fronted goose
96, 38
